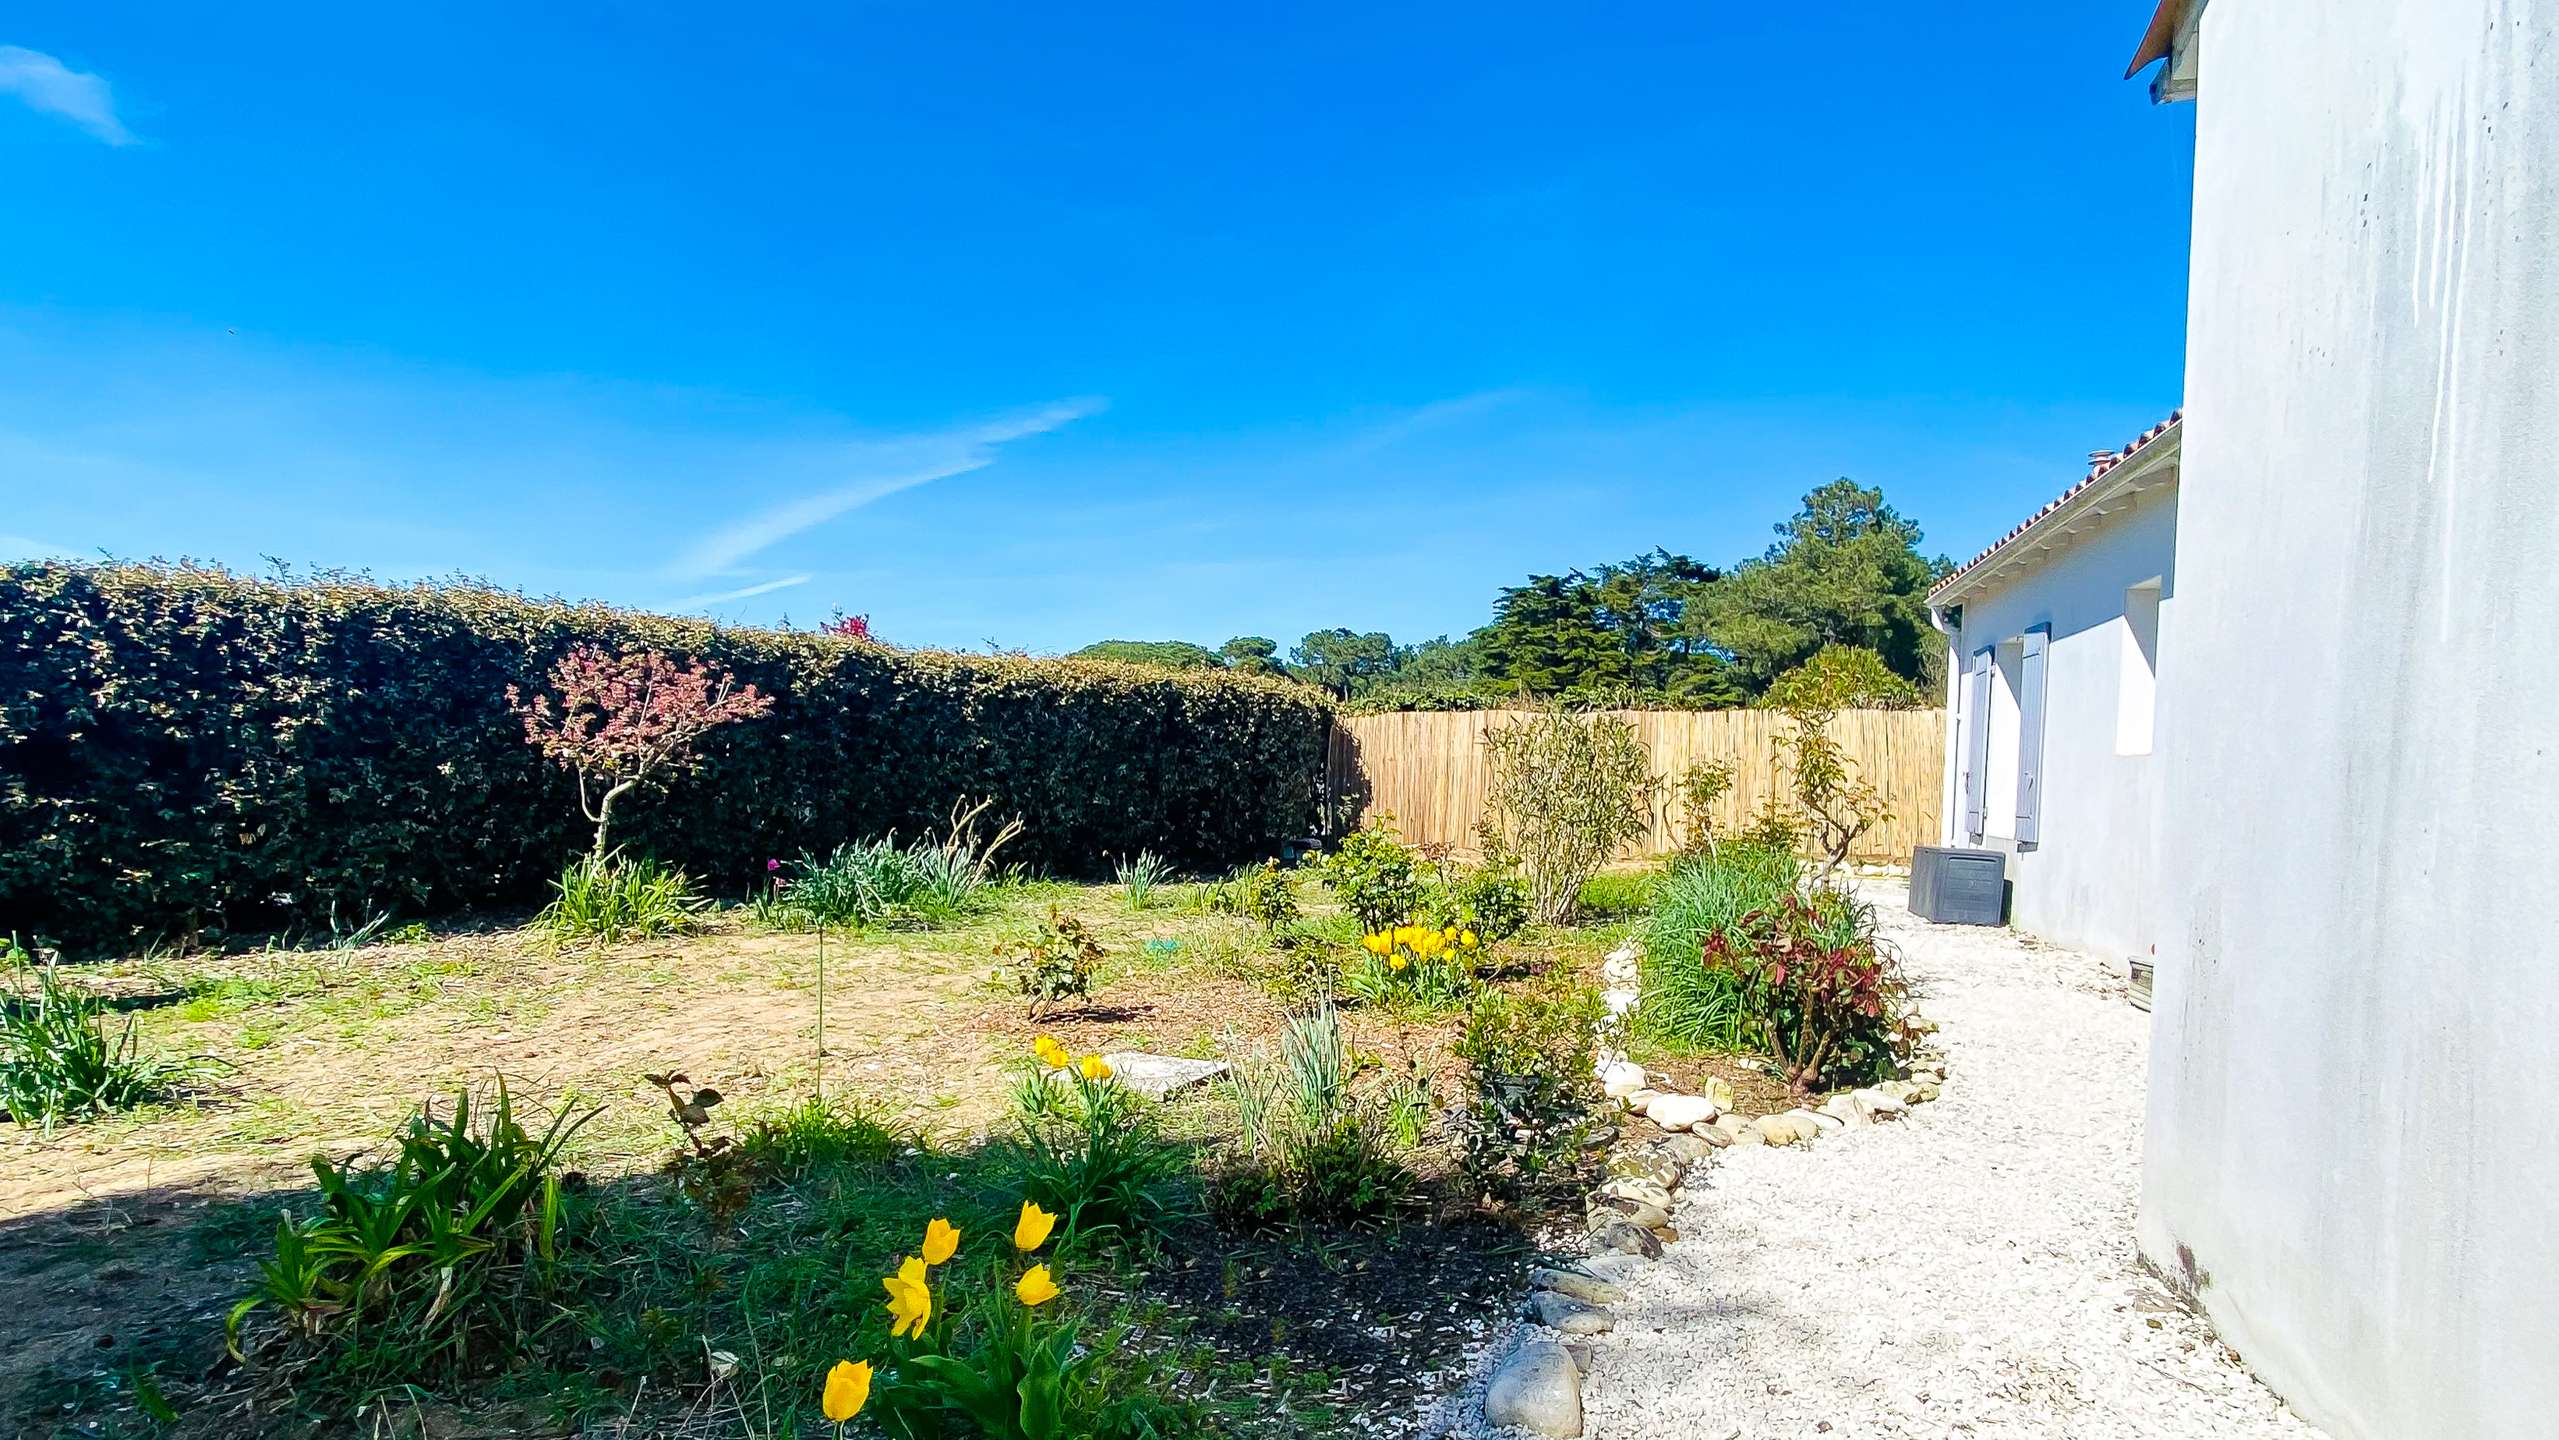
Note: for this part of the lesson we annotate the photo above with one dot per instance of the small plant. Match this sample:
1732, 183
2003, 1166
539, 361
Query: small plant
1825, 992
1566, 792
1267, 895
607, 898
1836, 805
1415, 968
1702, 787
1093, 1155
1773, 827
1614, 894
826, 1130
1533, 1110
58, 1063
1377, 877
1492, 901
431, 1264
1317, 1147
1056, 963
623, 721
982, 1361
1138, 877
881, 882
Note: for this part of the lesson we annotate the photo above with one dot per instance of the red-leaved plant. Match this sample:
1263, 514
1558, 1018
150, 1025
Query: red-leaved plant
1827, 993
623, 720
850, 627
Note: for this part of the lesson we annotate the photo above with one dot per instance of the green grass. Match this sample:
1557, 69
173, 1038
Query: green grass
61, 1060
1686, 1005
605, 898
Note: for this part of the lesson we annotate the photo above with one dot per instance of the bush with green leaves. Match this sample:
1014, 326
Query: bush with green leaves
1842, 677
1693, 1007
1533, 1117
1053, 964
1565, 793
1377, 877
606, 898
1824, 993
192, 752
1267, 895
1702, 788
1491, 900
435, 1263
58, 1062
1836, 805
1321, 1143
879, 882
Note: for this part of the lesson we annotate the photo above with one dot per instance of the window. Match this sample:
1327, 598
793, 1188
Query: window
2137, 691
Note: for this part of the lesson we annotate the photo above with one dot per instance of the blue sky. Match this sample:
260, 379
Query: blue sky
1039, 325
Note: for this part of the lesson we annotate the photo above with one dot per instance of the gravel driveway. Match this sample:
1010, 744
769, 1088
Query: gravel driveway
1966, 1272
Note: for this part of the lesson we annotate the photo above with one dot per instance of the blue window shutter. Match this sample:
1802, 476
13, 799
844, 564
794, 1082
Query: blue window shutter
2031, 668
1976, 743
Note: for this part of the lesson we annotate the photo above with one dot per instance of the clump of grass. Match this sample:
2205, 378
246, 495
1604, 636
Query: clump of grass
58, 1062
1317, 1148
431, 1264
1690, 1005
613, 897
822, 1131
1615, 895
921, 885
1093, 1155
1139, 876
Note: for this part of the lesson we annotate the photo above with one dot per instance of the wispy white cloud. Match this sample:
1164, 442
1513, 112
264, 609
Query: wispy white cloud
1427, 419
746, 592
46, 84
875, 470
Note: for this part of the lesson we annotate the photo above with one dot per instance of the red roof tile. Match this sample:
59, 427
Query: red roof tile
2098, 464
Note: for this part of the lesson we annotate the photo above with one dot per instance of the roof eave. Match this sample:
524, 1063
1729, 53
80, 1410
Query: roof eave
2145, 468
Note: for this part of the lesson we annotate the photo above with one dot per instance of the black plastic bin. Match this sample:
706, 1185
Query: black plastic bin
1953, 886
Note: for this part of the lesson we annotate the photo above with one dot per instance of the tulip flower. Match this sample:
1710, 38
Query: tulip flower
848, 1389
1035, 1287
1031, 1231
1094, 1067
910, 1298
1051, 1054
1467, 939
941, 1241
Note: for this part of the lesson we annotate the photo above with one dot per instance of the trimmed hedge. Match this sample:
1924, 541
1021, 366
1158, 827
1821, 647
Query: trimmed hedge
184, 751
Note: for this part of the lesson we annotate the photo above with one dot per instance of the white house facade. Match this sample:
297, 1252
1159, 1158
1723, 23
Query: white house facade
2352, 1159
2053, 638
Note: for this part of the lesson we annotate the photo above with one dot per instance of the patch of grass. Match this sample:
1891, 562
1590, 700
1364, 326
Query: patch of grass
606, 898
821, 1131
1140, 877
58, 1061
1687, 1004
1618, 895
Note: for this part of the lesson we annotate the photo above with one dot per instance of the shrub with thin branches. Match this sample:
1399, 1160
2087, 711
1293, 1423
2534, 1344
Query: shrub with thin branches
1566, 791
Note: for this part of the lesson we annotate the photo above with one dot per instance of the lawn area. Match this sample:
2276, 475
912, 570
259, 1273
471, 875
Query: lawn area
695, 1306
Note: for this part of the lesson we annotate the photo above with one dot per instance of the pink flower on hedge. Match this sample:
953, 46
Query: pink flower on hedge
772, 865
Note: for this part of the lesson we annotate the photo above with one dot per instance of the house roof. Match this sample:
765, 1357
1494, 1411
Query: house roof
2106, 472
2160, 39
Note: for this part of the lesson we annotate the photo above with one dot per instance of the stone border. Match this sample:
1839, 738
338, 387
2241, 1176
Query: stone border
1538, 1386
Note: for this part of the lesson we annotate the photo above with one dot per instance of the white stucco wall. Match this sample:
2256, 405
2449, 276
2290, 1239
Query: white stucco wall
2088, 882
2352, 1149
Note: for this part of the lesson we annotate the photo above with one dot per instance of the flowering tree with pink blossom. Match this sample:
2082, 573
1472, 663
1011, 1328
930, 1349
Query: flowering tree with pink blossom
621, 721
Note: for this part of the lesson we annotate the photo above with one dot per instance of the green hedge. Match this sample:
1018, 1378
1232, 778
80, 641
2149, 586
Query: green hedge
185, 751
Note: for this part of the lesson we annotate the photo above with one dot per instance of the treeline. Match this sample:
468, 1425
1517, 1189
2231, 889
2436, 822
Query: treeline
1661, 630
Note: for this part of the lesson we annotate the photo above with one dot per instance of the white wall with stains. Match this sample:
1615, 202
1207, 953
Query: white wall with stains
2353, 1145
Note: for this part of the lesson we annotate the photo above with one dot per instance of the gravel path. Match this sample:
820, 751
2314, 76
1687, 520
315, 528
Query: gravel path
1967, 1272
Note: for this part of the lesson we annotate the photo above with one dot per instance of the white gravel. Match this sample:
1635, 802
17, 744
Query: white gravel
1967, 1272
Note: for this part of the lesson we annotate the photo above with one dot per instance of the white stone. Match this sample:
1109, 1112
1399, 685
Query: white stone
1539, 1390
1159, 1076
1877, 1103
1813, 1122
1620, 1001
1719, 1090
1571, 1316
1621, 1078
1844, 1109
1680, 1112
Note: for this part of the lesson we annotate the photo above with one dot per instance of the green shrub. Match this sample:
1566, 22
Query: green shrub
1618, 894
1533, 1115
1702, 787
1376, 876
1687, 1005
1267, 894
1492, 901
1565, 792
58, 1063
613, 897
1055, 963
1318, 1146
432, 1264
1842, 677
188, 752
880, 882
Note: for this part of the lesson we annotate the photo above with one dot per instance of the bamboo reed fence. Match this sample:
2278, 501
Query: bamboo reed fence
1427, 769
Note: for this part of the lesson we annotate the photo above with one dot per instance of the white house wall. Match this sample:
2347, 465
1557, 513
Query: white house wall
2352, 1150
2088, 883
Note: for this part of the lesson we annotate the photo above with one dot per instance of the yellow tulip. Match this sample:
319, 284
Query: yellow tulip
941, 1241
1031, 1231
848, 1389
1398, 963
910, 1298
1094, 1067
1035, 1287
1050, 1052
1467, 939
